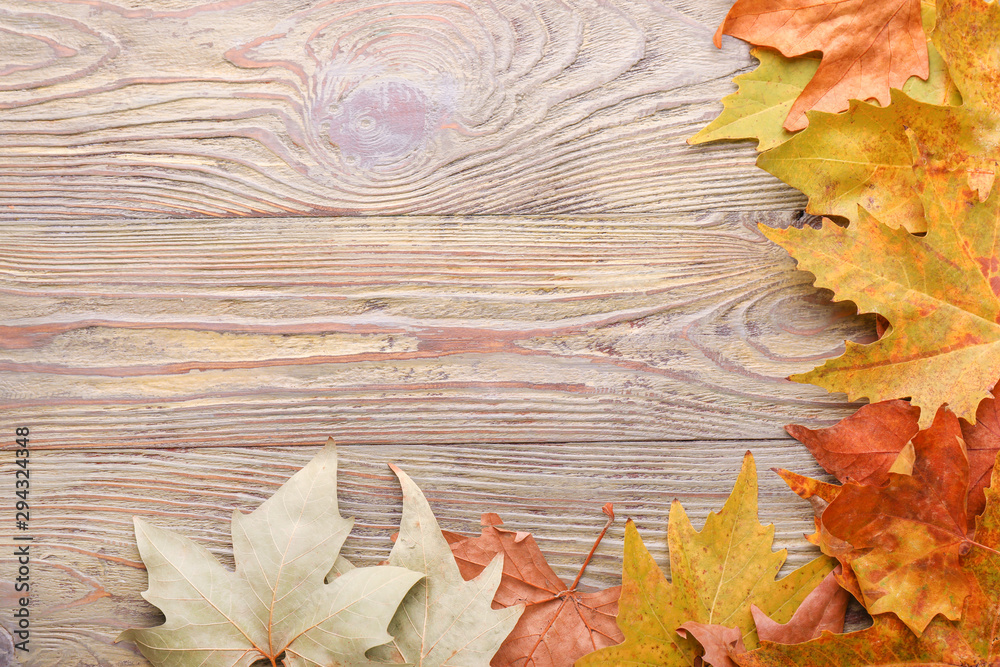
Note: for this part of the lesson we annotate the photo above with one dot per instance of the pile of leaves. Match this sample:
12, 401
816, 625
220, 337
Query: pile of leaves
916, 547
886, 114
901, 141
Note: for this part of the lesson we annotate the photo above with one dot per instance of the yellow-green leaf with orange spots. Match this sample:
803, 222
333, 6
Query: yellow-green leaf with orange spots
940, 293
716, 574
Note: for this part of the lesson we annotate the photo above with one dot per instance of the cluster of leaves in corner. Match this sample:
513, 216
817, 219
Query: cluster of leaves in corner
898, 146
445, 599
916, 529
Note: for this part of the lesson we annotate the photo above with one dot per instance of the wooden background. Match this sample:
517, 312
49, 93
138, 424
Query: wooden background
466, 237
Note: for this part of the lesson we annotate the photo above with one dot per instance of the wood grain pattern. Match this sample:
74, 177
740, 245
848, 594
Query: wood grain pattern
89, 575
407, 330
282, 107
592, 316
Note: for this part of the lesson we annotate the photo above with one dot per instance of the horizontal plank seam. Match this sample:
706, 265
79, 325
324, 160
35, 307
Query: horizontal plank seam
457, 443
464, 216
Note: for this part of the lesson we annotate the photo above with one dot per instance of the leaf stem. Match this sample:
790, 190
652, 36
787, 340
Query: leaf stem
608, 509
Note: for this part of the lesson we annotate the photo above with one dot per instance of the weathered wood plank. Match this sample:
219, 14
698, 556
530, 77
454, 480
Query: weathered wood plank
253, 108
409, 330
88, 576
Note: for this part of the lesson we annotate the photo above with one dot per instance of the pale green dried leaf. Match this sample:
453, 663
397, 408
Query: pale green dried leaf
444, 621
276, 601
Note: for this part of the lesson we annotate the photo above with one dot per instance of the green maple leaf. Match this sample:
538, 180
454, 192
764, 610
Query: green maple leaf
717, 574
276, 606
444, 621
759, 106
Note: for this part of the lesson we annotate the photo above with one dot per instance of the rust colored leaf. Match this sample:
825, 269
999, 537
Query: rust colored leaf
868, 46
823, 610
862, 447
906, 538
719, 642
560, 623
973, 641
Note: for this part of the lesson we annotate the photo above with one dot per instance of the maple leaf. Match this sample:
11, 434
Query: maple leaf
823, 610
973, 641
868, 46
276, 604
762, 101
908, 535
939, 293
443, 620
863, 158
765, 96
863, 447
717, 574
559, 623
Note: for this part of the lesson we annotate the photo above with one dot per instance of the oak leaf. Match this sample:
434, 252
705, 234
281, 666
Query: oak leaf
863, 157
443, 620
939, 292
868, 46
276, 606
560, 623
863, 447
716, 575
972, 641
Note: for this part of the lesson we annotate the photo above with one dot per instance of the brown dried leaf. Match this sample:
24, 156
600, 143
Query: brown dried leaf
560, 623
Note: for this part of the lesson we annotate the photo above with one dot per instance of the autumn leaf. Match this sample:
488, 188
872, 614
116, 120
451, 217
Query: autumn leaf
973, 641
863, 447
276, 602
761, 103
560, 623
909, 534
764, 96
719, 643
823, 610
868, 46
863, 157
717, 574
444, 620
937, 292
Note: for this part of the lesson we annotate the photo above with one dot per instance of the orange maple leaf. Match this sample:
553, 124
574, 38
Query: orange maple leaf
973, 641
902, 542
862, 447
868, 46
